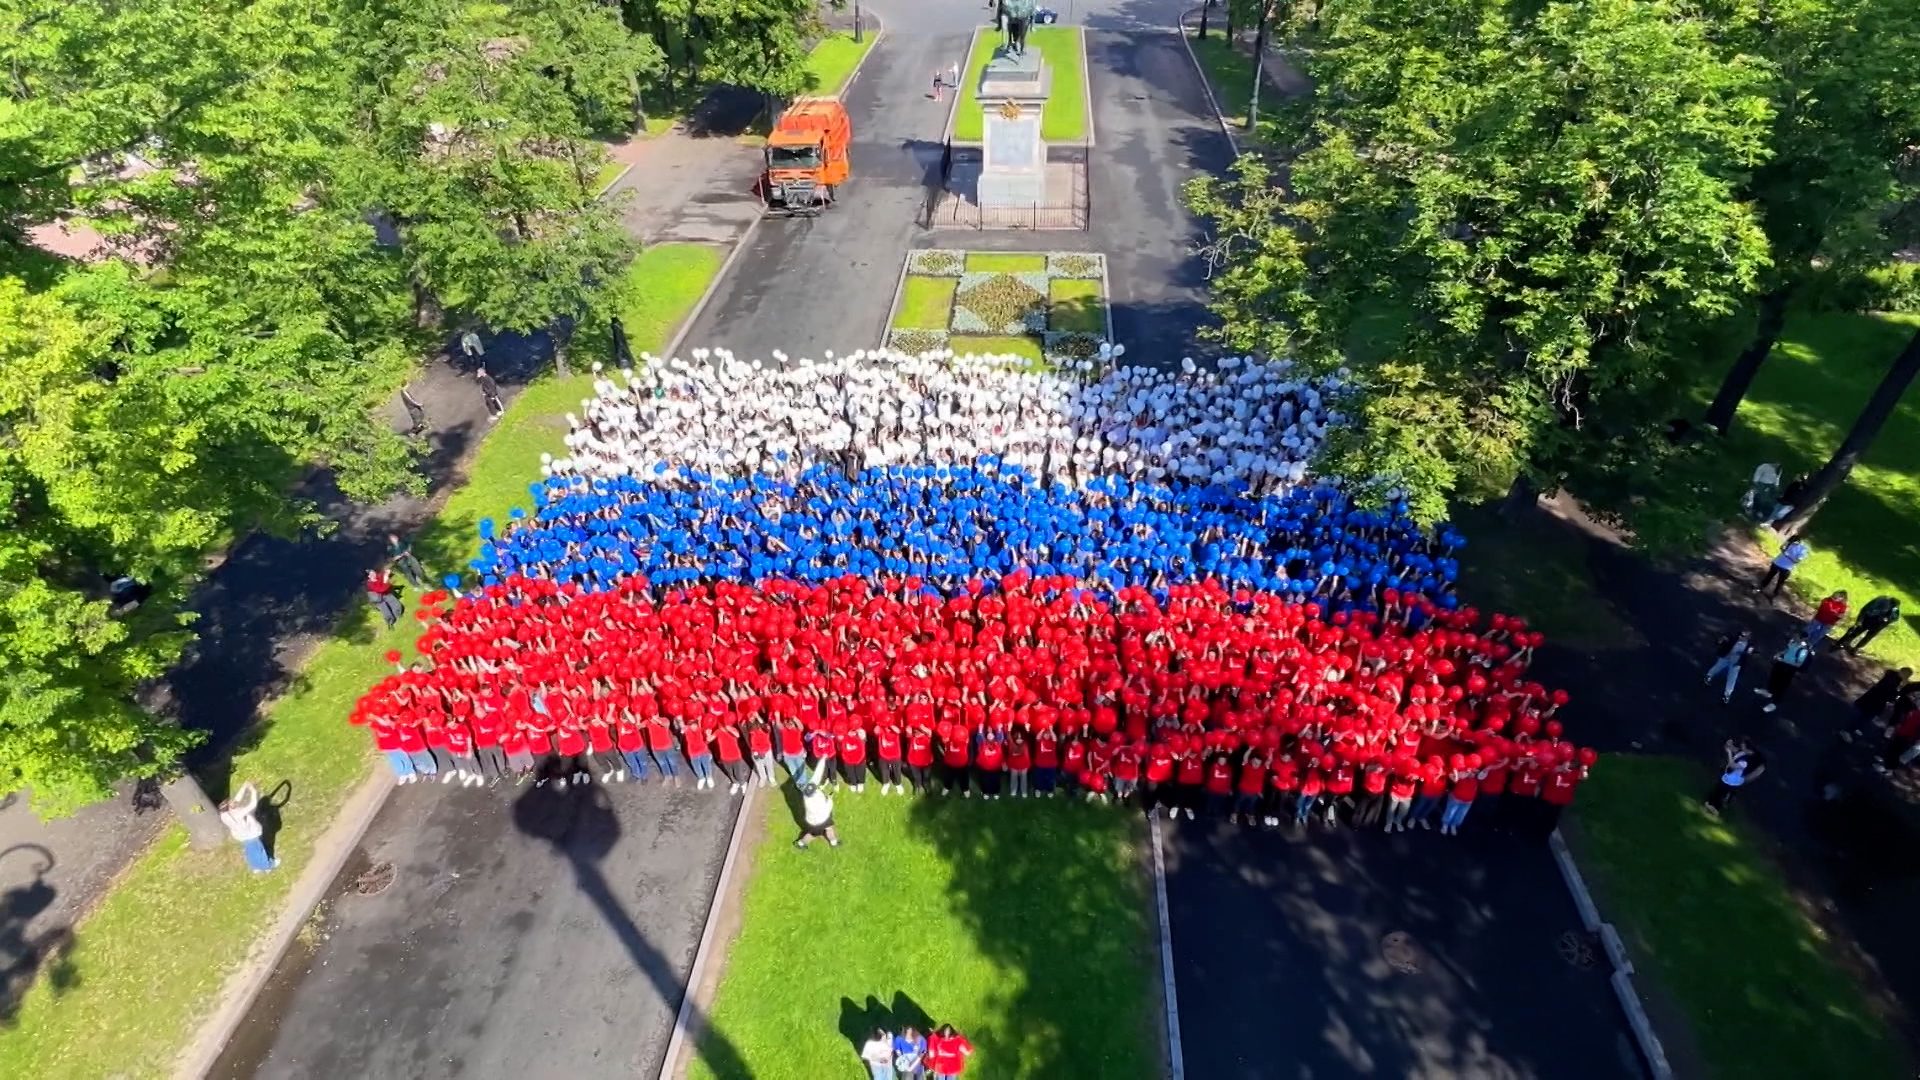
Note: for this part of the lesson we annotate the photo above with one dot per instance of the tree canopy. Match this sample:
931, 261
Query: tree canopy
1505, 217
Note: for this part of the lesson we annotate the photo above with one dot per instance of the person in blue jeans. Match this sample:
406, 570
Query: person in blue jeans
909, 1054
237, 814
877, 1053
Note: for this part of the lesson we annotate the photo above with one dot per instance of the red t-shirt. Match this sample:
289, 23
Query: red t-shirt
1076, 756
792, 741
1375, 781
1403, 786
1159, 764
628, 738
954, 752
409, 738
1253, 778
599, 738
920, 750
853, 749
1467, 787
947, 1055
1220, 776
1312, 784
1192, 769
1284, 775
759, 741
1046, 751
1526, 780
1341, 782
822, 745
1560, 785
991, 756
887, 742
696, 739
659, 736
727, 742
1433, 786
1495, 781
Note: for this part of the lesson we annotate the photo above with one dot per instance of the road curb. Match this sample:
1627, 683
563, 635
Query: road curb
1651, 1051
899, 287
1206, 84
1176, 1061
331, 852
677, 1042
878, 36
719, 277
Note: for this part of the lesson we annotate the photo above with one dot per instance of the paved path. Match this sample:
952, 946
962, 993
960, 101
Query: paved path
1279, 965
694, 184
527, 933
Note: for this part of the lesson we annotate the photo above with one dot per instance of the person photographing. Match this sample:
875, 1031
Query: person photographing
816, 816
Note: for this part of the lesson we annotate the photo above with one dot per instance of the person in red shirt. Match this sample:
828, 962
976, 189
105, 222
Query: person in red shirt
1283, 781
600, 752
1373, 798
1521, 803
1312, 786
947, 1051
1557, 790
1251, 784
1046, 762
760, 751
1188, 778
887, 751
1466, 788
1159, 777
822, 748
1019, 764
1125, 768
920, 759
990, 759
699, 752
1073, 763
571, 748
733, 761
1219, 784
1400, 792
1339, 789
853, 757
1433, 789
793, 747
954, 754
1493, 783
665, 752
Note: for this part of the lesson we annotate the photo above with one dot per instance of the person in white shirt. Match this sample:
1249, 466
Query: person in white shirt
877, 1052
816, 816
237, 814
1782, 567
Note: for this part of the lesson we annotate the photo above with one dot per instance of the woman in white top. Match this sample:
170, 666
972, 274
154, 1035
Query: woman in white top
237, 814
877, 1052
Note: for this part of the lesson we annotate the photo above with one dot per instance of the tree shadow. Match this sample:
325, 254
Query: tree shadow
27, 957
580, 823
1053, 893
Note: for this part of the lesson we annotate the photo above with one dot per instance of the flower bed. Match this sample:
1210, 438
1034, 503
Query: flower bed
1052, 304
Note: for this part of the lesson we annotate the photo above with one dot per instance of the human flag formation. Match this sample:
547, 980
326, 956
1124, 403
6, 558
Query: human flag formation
1122, 581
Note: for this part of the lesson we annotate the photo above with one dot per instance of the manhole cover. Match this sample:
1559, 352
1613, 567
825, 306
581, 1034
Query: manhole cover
1401, 954
374, 880
1576, 948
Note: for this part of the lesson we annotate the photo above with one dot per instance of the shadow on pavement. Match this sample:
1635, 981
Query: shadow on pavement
24, 956
581, 825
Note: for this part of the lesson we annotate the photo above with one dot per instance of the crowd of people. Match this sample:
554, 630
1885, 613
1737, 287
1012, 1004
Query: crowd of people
949, 524
1255, 422
1194, 698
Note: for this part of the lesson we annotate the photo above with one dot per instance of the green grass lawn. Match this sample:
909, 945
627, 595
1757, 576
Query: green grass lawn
608, 173
1229, 71
1023, 924
983, 345
1065, 118
1716, 924
926, 303
1076, 305
1866, 540
150, 961
832, 61
997, 262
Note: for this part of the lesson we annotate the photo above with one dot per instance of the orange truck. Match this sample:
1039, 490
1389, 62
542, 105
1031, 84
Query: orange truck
806, 157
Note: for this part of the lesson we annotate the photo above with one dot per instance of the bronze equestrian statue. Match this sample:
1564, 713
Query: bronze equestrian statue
1019, 16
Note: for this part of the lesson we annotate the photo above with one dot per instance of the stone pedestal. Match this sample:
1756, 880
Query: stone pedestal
1013, 93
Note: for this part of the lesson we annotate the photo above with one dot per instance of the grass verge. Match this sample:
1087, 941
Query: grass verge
1822, 371
1023, 924
153, 957
1716, 923
1065, 118
833, 60
997, 262
1075, 304
926, 303
982, 345
1230, 72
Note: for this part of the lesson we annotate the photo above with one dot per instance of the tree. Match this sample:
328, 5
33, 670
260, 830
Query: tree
1506, 219
1866, 427
1846, 113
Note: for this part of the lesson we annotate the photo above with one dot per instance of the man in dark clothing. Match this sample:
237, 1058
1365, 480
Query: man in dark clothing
490, 391
1878, 614
416, 412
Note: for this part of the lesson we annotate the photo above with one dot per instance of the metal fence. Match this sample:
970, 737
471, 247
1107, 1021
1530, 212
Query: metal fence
946, 209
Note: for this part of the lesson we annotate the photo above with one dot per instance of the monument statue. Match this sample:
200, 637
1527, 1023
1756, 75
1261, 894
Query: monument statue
1019, 16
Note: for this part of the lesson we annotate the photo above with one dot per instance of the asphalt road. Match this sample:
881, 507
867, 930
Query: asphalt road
1282, 970
526, 933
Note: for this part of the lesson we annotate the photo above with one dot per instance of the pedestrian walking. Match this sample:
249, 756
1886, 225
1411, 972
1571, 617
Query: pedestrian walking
877, 1053
1878, 614
238, 815
416, 412
1787, 664
380, 595
1743, 765
490, 393
939, 84
400, 555
953, 75
1729, 653
816, 816
1781, 568
1826, 617
470, 344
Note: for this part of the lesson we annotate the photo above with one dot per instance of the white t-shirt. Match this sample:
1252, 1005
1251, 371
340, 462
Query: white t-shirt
877, 1051
818, 808
241, 823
